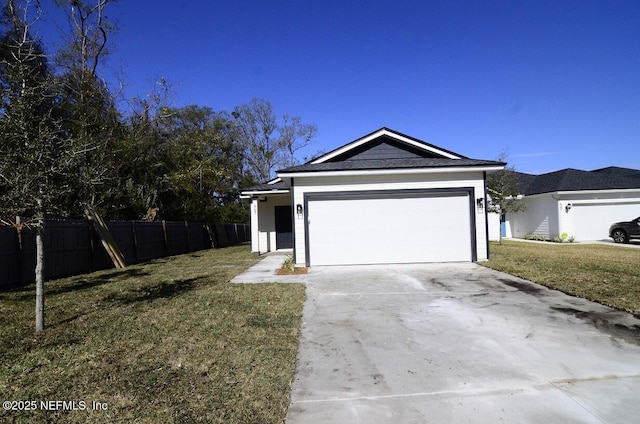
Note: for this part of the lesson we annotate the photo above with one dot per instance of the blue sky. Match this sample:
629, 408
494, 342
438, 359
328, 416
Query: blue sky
556, 84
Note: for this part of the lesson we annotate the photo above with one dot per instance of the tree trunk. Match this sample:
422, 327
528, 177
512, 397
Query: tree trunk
39, 279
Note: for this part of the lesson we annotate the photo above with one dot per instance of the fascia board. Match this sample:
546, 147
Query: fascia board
558, 194
357, 143
608, 191
248, 194
600, 201
402, 171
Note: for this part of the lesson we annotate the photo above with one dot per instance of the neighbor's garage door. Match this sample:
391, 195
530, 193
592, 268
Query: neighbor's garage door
389, 229
591, 221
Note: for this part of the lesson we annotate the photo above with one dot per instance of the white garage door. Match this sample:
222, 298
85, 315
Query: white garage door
592, 221
378, 230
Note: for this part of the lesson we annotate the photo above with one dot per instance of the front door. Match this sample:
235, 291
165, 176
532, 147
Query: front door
284, 227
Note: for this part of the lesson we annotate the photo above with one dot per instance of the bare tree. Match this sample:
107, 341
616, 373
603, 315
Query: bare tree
90, 110
269, 143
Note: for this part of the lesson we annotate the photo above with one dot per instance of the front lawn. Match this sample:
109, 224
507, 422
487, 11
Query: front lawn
606, 274
165, 342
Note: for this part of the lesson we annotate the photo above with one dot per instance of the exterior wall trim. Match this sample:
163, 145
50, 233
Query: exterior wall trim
252, 194
486, 213
293, 220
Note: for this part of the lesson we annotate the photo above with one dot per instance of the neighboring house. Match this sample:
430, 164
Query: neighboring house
383, 198
580, 204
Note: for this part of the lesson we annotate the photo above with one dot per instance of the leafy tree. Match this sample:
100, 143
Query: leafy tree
503, 191
140, 158
203, 162
54, 131
269, 142
37, 160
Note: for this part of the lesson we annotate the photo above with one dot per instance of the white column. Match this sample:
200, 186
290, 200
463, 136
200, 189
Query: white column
255, 235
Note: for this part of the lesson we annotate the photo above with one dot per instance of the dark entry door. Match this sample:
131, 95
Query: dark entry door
284, 227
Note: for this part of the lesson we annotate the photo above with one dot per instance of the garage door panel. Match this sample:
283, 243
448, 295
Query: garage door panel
389, 230
592, 221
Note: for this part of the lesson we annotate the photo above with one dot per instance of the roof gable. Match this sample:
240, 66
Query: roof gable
384, 147
386, 150
386, 144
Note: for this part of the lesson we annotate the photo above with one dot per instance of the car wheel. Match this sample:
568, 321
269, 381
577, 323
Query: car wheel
619, 236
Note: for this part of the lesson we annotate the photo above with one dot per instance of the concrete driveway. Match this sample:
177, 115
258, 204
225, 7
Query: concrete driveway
459, 343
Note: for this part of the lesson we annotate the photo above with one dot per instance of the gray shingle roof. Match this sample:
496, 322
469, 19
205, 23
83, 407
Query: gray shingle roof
376, 164
268, 187
384, 152
569, 179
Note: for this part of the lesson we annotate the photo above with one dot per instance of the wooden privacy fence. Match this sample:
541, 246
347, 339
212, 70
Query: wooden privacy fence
73, 247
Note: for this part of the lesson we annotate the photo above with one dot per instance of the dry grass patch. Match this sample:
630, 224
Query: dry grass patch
606, 274
168, 341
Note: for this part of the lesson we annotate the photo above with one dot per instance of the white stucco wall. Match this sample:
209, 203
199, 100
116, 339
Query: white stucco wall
263, 226
312, 184
540, 217
494, 226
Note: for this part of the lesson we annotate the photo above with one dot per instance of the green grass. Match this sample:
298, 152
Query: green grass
167, 341
606, 274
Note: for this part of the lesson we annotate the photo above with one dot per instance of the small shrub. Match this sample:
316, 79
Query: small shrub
564, 237
528, 236
289, 264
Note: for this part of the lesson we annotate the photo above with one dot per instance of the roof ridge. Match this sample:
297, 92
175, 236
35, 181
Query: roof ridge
572, 179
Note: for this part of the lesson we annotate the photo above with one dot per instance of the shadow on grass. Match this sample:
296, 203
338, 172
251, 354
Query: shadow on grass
135, 295
88, 282
163, 290
66, 320
78, 283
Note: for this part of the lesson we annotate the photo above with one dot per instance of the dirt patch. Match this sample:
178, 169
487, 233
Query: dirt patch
436, 282
605, 322
296, 271
528, 288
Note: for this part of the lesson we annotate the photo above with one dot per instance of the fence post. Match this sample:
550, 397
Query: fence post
164, 234
135, 240
211, 229
18, 228
186, 233
92, 249
205, 236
